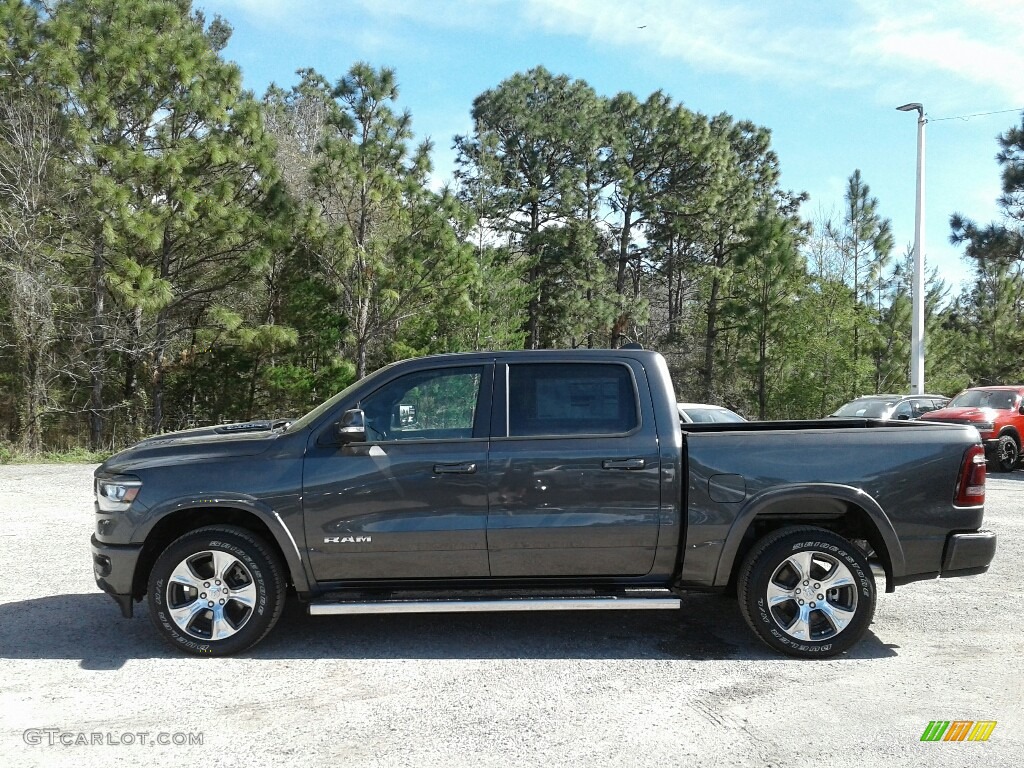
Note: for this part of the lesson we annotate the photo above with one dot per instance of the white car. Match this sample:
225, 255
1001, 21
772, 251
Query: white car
702, 413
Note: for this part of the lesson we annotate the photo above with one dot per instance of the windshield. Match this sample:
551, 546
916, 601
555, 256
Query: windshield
325, 406
313, 415
1003, 399
867, 407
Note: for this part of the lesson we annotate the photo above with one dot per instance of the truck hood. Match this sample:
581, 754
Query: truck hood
966, 415
202, 444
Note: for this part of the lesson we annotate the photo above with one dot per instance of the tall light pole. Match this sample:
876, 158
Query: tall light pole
917, 291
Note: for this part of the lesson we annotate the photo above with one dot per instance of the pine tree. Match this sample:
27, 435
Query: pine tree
385, 242
179, 191
866, 240
770, 275
661, 165
531, 161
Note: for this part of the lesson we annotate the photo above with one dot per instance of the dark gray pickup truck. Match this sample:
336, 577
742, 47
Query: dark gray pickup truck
533, 481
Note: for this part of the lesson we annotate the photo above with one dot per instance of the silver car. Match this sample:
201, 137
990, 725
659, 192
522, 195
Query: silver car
702, 413
900, 407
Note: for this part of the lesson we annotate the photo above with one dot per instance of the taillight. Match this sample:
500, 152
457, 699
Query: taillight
970, 491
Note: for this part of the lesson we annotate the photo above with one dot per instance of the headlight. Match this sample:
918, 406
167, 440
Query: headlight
116, 495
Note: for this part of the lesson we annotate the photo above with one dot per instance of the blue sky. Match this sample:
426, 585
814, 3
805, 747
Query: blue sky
825, 77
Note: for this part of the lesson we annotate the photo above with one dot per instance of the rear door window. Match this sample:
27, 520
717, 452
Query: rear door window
571, 399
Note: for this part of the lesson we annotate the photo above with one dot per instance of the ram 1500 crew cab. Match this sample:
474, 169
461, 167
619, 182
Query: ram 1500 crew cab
533, 481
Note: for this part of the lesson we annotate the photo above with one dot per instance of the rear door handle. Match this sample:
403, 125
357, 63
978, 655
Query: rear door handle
465, 468
622, 464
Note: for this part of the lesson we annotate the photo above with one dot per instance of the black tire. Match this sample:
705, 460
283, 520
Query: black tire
796, 563
1007, 453
229, 582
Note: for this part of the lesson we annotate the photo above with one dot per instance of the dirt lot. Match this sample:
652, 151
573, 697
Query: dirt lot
647, 688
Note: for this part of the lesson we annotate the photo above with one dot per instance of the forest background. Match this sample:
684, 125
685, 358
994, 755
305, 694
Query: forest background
176, 251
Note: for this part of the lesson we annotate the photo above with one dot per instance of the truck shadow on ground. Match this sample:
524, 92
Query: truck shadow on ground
88, 628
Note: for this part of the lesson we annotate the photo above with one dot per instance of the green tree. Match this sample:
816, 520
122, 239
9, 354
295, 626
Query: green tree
993, 319
890, 350
661, 163
531, 160
770, 278
303, 297
990, 312
746, 181
819, 363
179, 189
866, 240
384, 241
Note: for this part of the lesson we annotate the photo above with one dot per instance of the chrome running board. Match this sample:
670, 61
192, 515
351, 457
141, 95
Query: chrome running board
334, 608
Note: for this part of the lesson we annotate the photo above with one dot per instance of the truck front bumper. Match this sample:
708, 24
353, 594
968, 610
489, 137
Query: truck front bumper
114, 568
968, 553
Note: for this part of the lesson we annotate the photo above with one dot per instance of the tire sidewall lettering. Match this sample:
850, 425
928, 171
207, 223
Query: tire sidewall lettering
763, 562
253, 554
762, 611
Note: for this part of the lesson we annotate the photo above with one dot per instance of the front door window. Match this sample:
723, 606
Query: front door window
429, 405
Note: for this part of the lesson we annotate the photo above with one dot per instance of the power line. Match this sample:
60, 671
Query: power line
976, 114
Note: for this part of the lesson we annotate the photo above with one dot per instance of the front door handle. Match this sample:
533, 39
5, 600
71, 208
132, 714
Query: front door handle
465, 468
622, 464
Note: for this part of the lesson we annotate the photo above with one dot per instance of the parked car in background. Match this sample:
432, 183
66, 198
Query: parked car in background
702, 413
900, 407
998, 415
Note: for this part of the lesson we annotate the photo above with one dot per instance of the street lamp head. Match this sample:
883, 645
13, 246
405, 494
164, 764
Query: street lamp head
914, 106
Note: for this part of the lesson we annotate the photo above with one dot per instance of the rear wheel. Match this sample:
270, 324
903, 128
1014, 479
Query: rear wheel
216, 591
1007, 453
807, 592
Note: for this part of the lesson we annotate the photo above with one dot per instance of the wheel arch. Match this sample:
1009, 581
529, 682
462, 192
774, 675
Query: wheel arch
842, 509
186, 517
1012, 432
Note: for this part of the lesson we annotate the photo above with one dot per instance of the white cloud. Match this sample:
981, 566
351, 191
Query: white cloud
953, 54
976, 46
725, 37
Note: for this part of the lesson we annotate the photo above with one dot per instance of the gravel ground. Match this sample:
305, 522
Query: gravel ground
658, 688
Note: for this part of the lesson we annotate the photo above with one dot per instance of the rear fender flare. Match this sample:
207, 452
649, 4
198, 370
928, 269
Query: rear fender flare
791, 496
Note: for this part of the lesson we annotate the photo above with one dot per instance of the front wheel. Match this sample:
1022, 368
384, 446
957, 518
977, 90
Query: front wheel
1007, 453
216, 591
807, 592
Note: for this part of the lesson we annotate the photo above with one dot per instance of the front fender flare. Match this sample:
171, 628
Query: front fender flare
264, 513
793, 494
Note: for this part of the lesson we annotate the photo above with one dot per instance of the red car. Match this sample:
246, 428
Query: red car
998, 414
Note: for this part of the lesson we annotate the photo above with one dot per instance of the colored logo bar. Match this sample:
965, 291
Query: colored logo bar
958, 730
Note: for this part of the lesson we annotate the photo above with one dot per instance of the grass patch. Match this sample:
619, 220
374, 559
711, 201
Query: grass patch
9, 455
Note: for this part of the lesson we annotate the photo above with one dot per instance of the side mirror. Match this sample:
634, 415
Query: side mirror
352, 427
1021, 409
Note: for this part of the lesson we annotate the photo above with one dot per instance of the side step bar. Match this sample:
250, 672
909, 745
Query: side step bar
334, 608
